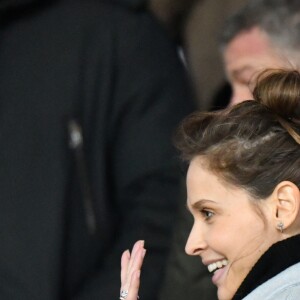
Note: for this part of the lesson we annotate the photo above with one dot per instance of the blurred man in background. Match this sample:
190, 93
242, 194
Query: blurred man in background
264, 34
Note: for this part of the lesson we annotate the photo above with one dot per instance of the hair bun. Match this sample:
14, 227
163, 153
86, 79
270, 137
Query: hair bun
279, 90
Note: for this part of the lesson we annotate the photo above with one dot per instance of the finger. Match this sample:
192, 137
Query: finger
138, 260
136, 265
124, 266
134, 276
138, 245
134, 286
126, 261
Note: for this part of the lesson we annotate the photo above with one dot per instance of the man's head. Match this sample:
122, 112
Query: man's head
263, 34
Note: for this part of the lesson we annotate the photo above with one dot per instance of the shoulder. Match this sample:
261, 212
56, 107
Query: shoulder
285, 285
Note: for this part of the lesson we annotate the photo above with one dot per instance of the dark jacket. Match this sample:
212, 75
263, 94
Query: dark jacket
90, 94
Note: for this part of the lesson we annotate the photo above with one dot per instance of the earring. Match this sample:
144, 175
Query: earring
280, 226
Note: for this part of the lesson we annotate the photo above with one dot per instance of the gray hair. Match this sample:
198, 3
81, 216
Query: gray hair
279, 19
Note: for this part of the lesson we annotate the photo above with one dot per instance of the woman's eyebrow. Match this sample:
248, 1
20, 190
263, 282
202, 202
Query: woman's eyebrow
200, 203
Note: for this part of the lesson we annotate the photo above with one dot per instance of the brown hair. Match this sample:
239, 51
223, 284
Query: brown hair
254, 144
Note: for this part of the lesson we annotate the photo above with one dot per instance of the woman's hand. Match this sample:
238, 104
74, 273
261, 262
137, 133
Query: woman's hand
131, 264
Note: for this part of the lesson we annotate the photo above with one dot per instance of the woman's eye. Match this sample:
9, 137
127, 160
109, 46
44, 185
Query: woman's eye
207, 214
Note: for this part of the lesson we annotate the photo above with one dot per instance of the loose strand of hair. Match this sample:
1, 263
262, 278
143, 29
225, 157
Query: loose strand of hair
290, 130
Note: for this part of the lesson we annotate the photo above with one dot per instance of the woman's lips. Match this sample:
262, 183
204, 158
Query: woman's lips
218, 274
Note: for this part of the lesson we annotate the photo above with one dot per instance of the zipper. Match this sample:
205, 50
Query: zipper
76, 145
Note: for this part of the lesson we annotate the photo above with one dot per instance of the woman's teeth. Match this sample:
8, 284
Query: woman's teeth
217, 265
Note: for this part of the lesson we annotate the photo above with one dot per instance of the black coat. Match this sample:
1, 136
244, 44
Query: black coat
112, 75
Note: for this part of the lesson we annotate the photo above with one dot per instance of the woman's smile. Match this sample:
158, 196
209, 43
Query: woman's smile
219, 274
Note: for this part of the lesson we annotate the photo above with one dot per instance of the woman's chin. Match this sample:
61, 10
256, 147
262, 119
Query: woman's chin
224, 293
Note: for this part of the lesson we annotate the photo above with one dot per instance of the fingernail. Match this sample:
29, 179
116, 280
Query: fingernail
127, 253
138, 274
142, 243
144, 252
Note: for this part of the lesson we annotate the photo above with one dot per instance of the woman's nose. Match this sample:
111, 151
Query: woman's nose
196, 242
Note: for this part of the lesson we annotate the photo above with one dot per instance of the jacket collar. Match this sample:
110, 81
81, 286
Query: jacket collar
276, 259
285, 285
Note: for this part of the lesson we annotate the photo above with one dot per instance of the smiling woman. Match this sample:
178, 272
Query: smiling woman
243, 191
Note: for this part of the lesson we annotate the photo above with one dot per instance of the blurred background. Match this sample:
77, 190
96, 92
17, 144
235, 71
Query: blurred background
196, 25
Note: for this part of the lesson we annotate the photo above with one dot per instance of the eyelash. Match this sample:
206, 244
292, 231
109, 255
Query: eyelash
207, 214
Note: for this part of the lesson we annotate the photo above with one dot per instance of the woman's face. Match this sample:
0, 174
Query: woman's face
229, 233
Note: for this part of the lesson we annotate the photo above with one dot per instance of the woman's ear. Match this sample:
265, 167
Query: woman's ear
286, 204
